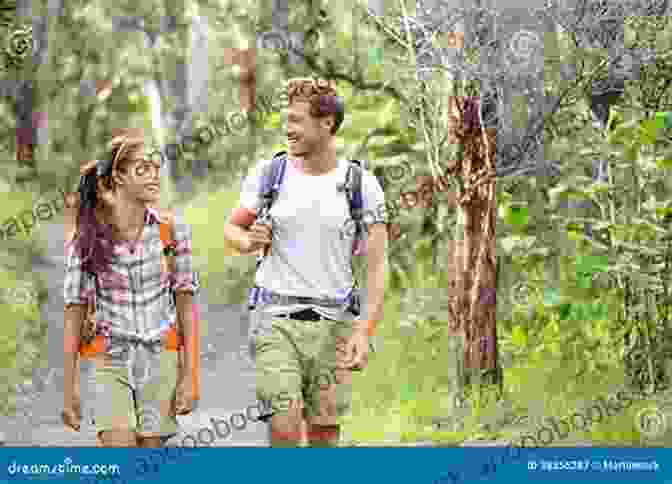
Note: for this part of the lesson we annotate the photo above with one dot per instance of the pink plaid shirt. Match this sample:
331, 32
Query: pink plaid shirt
135, 295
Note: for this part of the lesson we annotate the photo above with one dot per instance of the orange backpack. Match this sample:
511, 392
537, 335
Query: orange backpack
93, 345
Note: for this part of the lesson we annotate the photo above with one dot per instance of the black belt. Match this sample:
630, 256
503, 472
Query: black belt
304, 315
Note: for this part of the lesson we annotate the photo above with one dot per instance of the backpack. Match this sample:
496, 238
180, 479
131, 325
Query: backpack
273, 177
270, 187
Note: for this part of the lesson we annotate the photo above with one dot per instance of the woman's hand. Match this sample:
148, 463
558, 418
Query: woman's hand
185, 402
72, 410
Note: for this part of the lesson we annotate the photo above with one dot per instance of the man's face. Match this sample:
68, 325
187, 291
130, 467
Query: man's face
305, 134
142, 180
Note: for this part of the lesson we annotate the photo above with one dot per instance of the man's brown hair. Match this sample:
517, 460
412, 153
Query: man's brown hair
322, 96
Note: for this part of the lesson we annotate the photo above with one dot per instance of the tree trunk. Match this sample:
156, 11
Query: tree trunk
473, 299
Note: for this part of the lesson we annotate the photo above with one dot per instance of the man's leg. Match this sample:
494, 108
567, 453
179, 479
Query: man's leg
330, 391
279, 377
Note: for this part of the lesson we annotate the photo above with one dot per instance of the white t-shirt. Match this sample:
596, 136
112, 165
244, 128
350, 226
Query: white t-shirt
312, 238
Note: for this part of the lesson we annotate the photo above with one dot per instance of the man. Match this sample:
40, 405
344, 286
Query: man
306, 349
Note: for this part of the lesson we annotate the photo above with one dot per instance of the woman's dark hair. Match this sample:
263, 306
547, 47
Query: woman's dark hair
93, 239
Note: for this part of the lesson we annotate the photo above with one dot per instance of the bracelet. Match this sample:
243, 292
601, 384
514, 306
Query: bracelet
370, 328
170, 248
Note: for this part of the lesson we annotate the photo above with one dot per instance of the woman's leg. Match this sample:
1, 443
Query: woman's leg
155, 400
114, 406
117, 438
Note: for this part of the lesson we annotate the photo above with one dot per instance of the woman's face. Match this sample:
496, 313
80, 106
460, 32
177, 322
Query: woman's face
141, 175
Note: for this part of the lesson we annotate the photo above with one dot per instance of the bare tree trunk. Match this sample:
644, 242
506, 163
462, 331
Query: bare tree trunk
473, 299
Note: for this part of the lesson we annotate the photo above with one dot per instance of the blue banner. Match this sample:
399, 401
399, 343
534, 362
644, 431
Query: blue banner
405, 465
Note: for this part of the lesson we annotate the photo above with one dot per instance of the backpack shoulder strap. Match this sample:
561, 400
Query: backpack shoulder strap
354, 183
271, 181
167, 233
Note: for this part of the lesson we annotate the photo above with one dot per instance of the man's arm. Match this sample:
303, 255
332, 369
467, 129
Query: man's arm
376, 276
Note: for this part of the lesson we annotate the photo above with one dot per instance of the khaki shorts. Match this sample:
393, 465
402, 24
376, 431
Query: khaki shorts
296, 364
144, 406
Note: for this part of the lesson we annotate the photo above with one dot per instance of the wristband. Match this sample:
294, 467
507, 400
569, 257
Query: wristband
370, 328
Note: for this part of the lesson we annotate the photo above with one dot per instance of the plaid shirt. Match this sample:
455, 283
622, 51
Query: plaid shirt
135, 295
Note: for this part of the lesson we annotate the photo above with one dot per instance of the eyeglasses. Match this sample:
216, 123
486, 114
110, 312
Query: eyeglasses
152, 161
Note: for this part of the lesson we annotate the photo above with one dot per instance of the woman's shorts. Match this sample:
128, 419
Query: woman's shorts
143, 404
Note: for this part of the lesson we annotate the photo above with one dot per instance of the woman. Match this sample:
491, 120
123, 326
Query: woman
112, 240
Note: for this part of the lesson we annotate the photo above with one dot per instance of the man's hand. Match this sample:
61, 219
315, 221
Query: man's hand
357, 350
260, 236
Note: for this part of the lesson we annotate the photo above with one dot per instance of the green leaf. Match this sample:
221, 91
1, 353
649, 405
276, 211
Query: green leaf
519, 216
648, 131
564, 310
664, 119
519, 336
592, 263
664, 163
376, 55
408, 392
552, 297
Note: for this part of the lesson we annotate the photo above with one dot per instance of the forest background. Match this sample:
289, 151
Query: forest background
563, 232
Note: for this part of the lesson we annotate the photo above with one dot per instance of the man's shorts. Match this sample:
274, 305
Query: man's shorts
143, 404
296, 364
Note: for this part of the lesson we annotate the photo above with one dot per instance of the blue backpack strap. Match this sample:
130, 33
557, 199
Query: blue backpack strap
353, 184
270, 186
271, 181
354, 192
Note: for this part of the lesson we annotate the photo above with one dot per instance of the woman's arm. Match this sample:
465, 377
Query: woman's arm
186, 285
74, 317
74, 314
